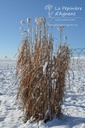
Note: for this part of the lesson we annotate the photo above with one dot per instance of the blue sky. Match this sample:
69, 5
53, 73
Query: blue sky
13, 11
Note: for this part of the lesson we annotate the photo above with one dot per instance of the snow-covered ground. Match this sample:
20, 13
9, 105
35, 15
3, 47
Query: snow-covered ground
11, 115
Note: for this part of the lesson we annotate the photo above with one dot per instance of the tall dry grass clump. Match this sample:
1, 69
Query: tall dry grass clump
41, 75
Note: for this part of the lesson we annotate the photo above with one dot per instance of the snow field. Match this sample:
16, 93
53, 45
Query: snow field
11, 115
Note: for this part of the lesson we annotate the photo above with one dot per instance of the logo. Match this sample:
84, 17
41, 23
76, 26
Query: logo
49, 9
64, 14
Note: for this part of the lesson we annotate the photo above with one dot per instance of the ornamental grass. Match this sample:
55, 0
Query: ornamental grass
41, 75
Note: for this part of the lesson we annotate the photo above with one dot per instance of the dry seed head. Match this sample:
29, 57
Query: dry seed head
22, 22
28, 20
